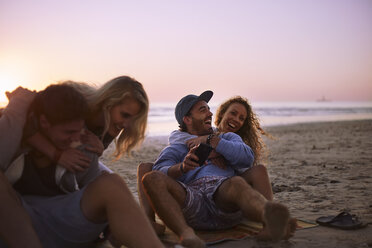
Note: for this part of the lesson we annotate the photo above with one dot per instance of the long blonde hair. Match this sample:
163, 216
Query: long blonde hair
251, 130
110, 94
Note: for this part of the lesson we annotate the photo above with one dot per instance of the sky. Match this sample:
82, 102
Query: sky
278, 50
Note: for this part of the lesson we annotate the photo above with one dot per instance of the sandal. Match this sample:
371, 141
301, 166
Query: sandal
343, 220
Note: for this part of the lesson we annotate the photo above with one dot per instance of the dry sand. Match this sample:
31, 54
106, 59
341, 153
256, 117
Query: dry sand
316, 169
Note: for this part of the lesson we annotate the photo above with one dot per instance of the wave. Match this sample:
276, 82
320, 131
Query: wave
162, 120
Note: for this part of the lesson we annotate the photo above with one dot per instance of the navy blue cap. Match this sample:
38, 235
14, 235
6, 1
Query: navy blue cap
186, 103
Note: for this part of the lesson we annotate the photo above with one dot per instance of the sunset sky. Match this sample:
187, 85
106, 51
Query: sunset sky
279, 50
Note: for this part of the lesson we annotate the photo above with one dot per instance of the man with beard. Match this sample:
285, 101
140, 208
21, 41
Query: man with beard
210, 196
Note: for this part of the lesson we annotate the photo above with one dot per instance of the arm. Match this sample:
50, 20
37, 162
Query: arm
39, 142
12, 121
95, 168
94, 144
196, 141
235, 151
176, 160
71, 159
72, 181
179, 137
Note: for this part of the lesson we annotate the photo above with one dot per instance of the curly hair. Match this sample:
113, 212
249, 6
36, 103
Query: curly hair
251, 131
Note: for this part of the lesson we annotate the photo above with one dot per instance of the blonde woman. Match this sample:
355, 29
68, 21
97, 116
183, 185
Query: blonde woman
118, 112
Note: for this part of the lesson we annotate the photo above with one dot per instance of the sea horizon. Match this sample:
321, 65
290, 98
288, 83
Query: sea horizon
161, 120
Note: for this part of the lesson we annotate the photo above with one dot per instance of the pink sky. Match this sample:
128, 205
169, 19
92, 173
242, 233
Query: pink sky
290, 50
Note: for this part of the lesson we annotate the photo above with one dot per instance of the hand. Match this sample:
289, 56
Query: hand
20, 91
74, 160
190, 161
217, 160
94, 144
196, 141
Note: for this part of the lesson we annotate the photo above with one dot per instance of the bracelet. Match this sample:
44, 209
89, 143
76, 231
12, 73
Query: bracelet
57, 155
209, 138
181, 169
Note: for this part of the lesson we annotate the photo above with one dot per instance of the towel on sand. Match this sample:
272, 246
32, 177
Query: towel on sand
245, 229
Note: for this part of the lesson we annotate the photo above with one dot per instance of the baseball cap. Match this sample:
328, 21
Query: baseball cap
186, 103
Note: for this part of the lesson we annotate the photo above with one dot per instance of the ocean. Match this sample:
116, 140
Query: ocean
161, 119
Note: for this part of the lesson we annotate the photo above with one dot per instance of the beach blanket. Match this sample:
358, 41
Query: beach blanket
244, 230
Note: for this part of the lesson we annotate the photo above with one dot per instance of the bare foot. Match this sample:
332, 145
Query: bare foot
190, 239
276, 222
291, 228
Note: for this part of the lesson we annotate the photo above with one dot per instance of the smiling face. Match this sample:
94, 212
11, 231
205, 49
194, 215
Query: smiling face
234, 118
122, 115
62, 135
199, 122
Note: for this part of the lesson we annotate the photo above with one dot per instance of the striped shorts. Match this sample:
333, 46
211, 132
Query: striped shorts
201, 212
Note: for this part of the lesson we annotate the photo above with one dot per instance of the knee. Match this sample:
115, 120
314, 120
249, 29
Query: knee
234, 187
143, 168
260, 170
257, 171
236, 184
108, 182
153, 180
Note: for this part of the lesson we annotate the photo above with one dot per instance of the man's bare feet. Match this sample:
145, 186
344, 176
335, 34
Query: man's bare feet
190, 239
291, 228
277, 224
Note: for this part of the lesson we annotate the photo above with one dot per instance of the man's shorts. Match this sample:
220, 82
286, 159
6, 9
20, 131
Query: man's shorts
60, 222
200, 210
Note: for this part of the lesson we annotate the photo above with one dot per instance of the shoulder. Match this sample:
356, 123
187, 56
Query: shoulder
179, 137
231, 136
91, 155
174, 148
171, 154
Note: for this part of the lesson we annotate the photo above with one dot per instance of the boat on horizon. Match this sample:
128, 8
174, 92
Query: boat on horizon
323, 99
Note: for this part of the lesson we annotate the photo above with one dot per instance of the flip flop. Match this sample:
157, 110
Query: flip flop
343, 220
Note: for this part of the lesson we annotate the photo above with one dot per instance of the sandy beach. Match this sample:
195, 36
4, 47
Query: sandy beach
316, 169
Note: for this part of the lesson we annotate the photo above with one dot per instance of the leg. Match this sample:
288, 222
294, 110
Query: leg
235, 193
142, 169
258, 178
15, 222
108, 198
167, 196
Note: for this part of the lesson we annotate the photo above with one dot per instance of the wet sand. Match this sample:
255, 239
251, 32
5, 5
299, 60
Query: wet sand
316, 169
